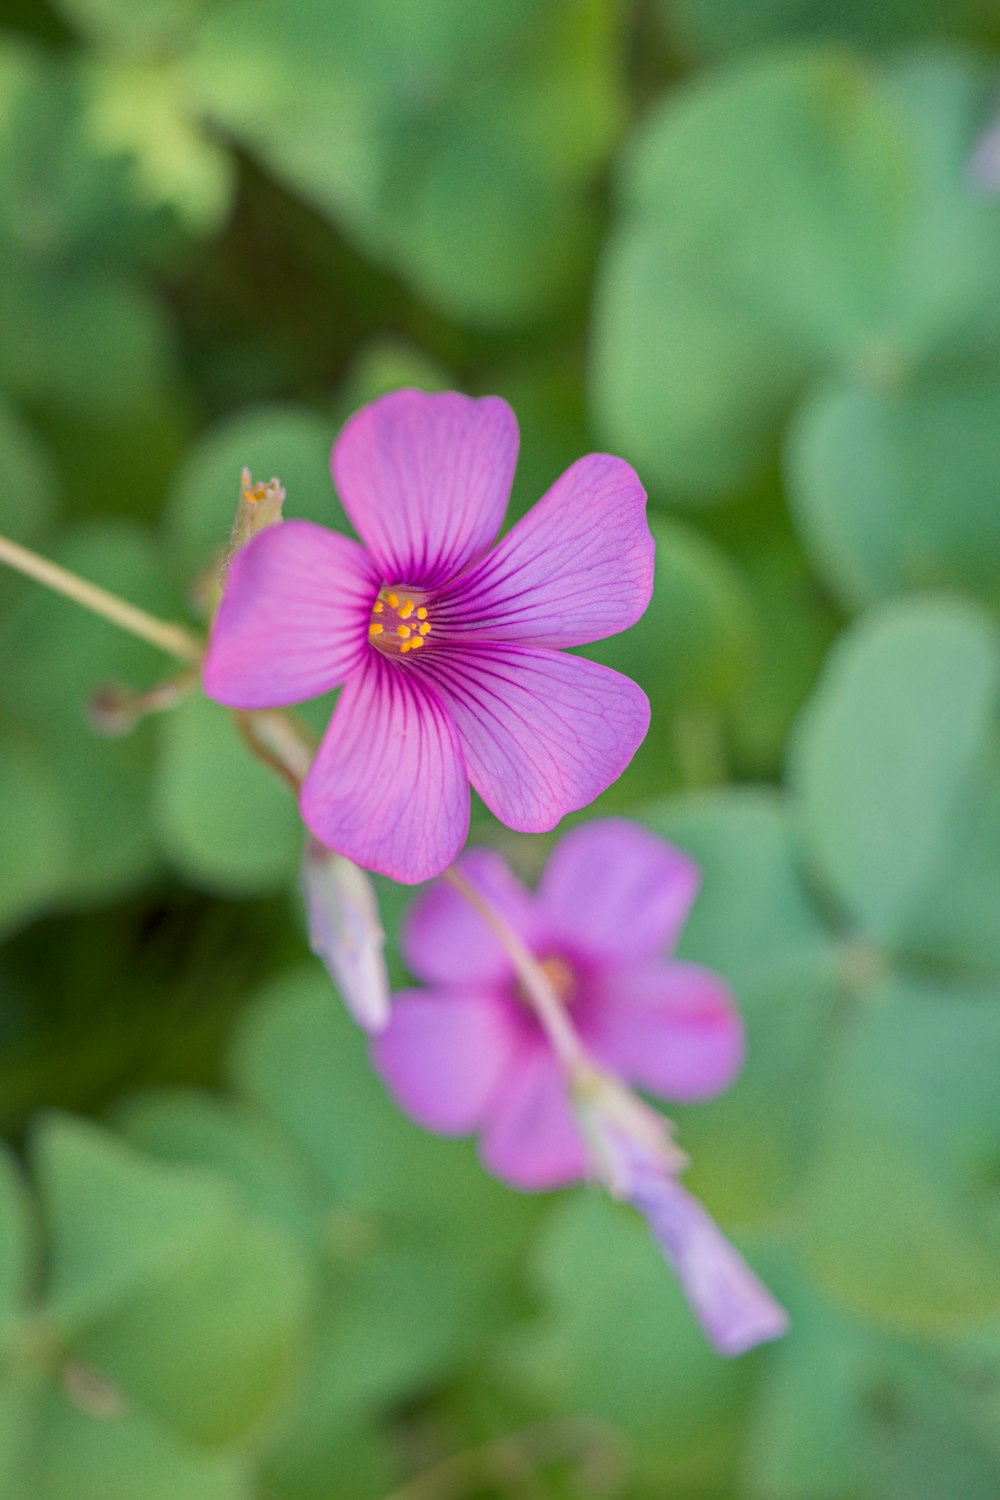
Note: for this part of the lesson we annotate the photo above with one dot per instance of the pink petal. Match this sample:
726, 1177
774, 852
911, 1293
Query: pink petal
425, 480
293, 621
443, 1053
672, 1028
578, 567
733, 1306
388, 787
543, 733
446, 941
614, 890
532, 1140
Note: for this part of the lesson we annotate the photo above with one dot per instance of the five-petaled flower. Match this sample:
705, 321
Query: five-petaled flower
449, 650
467, 1054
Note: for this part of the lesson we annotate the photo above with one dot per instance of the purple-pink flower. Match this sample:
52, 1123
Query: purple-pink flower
467, 1053
449, 650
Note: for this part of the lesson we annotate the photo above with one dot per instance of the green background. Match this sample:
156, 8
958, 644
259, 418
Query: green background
754, 247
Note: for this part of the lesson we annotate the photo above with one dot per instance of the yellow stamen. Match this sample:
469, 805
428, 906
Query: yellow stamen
377, 607
404, 631
415, 643
406, 609
424, 629
375, 629
421, 613
393, 601
404, 648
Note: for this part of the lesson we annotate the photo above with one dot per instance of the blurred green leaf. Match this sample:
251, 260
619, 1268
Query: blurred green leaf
123, 1456
212, 1348
225, 821
896, 490
731, 26
30, 483
760, 214
902, 721
466, 138
196, 1129
897, 1223
17, 1243
34, 835
631, 1353
115, 1221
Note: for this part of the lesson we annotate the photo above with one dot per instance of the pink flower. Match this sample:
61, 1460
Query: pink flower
449, 650
467, 1054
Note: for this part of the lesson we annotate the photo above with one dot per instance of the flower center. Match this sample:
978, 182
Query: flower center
560, 976
399, 622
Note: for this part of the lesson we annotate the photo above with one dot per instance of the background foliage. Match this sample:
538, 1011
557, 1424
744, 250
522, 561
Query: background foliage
741, 243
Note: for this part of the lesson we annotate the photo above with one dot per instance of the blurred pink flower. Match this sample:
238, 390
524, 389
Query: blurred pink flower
467, 1054
449, 650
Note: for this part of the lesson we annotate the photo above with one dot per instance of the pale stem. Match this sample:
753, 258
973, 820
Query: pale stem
545, 1002
175, 639
280, 741
513, 1461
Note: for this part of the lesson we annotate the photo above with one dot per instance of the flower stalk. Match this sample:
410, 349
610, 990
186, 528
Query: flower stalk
545, 1002
167, 635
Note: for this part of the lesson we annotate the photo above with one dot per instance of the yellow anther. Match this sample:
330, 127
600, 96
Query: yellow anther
374, 629
421, 613
393, 601
417, 641
424, 629
377, 607
404, 631
404, 648
406, 609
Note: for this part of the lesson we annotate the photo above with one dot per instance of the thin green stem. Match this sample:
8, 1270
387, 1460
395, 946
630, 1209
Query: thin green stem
175, 639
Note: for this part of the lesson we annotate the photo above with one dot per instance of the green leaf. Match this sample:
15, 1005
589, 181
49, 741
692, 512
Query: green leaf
57, 655
895, 490
34, 834
154, 27
212, 1348
30, 483
195, 1129
761, 212
902, 720
125, 1455
753, 920
89, 341
225, 821
712, 27
17, 1242
471, 182
617, 1339
897, 1220
114, 1220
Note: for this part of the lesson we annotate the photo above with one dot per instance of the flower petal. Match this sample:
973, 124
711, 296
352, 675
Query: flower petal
672, 1028
388, 787
733, 1306
293, 621
543, 733
425, 479
532, 1140
445, 940
576, 568
615, 891
443, 1054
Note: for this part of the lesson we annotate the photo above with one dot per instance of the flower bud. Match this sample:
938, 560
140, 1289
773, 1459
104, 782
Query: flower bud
635, 1158
345, 932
